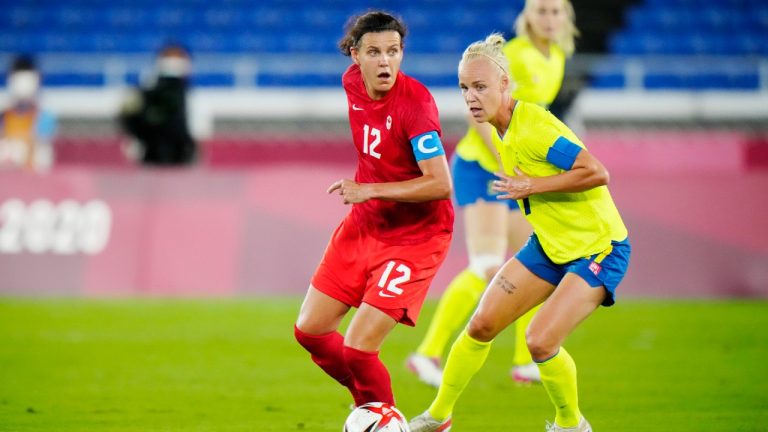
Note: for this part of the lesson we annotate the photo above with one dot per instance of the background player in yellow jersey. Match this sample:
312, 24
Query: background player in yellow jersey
545, 37
573, 261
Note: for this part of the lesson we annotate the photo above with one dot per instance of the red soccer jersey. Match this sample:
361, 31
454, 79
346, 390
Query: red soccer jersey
382, 131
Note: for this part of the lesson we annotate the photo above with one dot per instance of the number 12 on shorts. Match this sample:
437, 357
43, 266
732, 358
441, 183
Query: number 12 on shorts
391, 281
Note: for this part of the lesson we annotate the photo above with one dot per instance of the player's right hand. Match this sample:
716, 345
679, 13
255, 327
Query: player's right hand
350, 190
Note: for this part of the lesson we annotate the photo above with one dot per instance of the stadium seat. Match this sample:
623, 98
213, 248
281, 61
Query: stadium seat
243, 27
696, 28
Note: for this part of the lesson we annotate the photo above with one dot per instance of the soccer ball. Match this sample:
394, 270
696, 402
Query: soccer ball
376, 417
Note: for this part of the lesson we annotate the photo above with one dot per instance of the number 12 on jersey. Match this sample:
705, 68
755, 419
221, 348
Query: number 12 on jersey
370, 148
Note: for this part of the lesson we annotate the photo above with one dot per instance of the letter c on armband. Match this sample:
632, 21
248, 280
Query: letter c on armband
427, 145
424, 149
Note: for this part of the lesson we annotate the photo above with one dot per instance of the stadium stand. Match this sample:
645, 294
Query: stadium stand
116, 39
734, 30
89, 50
105, 30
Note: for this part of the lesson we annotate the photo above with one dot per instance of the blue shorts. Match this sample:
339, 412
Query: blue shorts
471, 183
601, 269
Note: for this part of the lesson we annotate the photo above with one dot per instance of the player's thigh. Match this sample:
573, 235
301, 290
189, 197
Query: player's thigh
572, 301
512, 292
340, 273
485, 225
320, 313
368, 328
399, 276
518, 230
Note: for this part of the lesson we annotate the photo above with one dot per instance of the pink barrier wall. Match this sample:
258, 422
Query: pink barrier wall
621, 150
174, 231
695, 206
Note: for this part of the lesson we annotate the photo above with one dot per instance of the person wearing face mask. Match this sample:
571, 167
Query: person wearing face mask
156, 117
536, 58
26, 130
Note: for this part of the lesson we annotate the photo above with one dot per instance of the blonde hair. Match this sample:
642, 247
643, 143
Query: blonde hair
489, 48
568, 33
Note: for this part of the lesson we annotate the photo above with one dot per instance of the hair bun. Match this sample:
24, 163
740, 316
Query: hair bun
496, 40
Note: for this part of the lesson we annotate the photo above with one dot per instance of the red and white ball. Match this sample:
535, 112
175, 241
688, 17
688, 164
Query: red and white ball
376, 417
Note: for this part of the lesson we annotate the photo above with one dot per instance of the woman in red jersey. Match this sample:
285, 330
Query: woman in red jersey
384, 254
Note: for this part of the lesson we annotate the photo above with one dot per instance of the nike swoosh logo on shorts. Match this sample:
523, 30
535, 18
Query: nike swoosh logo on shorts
354, 107
382, 294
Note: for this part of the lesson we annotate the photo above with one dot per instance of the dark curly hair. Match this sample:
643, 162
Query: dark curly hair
369, 22
23, 62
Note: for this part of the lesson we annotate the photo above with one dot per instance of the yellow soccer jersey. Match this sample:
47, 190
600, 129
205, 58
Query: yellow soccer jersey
471, 148
535, 78
569, 225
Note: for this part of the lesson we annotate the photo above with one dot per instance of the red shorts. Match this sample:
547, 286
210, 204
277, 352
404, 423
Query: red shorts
357, 268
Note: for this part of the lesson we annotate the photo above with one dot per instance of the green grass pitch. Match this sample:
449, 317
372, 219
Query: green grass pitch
232, 365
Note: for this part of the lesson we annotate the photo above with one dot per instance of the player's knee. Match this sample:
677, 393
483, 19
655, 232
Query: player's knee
304, 327
311, 324
541, 344
482, 328
302, 338
485, 265
359, 343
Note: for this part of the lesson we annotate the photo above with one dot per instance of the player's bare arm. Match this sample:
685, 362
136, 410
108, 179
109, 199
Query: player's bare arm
434, 184
586, 173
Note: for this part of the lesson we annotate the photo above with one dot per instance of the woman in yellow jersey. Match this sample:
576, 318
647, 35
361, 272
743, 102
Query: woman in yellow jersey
545, 33
577, 255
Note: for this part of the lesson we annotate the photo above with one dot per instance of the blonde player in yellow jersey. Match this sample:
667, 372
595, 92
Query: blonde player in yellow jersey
577, 255
545, 37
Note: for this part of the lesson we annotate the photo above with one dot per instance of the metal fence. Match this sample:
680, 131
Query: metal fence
323, 70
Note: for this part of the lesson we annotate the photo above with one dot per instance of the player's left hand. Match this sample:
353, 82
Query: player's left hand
518, 186
352, 191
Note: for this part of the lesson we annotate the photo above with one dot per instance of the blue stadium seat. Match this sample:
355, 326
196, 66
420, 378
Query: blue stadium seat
219, 79
228, 18
73, 79
210, 42
228, 26
694, 28
263, 17
757, 19
608, 81
251, 42
120, 18
442, 80
298, 80
322, 20
654, 27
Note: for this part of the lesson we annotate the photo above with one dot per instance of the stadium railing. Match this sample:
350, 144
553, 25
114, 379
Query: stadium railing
631, 88
699, 72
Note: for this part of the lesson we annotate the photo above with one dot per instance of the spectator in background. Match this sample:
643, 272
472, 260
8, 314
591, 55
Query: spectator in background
157, 115
26, 130
536, 58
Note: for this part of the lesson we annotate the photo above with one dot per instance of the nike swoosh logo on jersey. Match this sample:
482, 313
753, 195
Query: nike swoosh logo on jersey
355, 107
